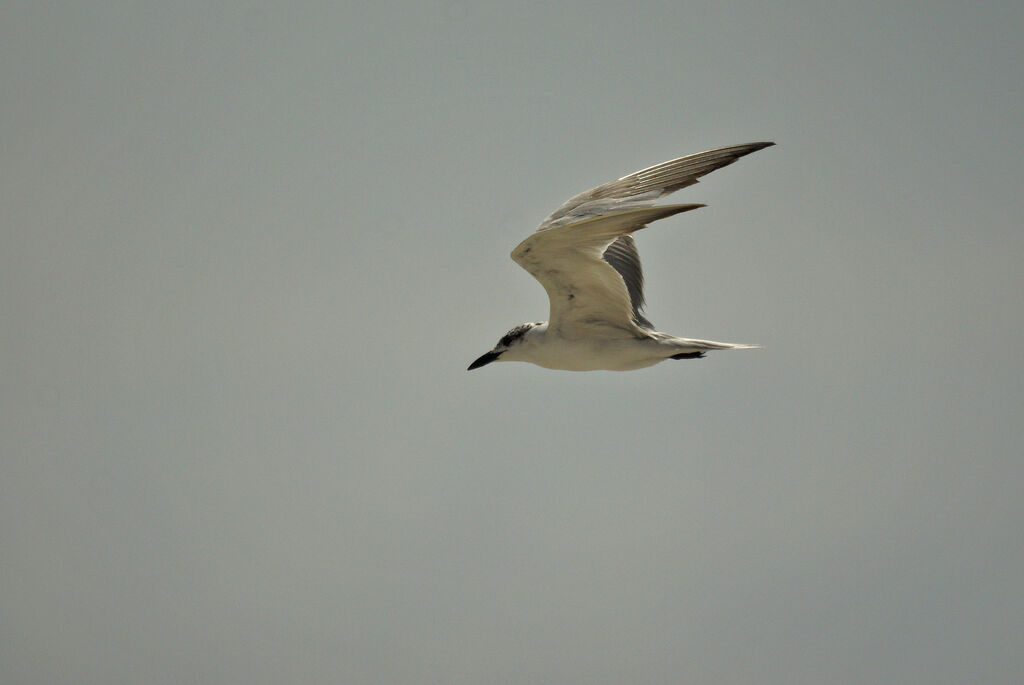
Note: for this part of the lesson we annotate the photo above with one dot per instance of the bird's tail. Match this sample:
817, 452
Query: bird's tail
685, 348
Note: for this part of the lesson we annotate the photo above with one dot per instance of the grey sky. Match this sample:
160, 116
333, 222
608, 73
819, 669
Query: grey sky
248, 251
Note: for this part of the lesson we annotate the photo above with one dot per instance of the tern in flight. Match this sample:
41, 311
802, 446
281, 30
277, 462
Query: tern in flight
584, 256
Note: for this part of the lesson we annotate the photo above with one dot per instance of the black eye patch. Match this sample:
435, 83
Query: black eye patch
515, 334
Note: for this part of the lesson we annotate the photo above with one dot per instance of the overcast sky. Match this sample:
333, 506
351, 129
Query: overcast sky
248, 250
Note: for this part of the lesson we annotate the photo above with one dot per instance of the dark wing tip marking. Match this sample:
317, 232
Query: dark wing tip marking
681, 172
622, 255
659, 180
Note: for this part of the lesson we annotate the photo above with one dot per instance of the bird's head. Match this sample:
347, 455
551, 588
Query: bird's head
508, 347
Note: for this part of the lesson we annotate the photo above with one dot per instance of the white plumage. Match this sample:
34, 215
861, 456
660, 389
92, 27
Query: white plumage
584, 256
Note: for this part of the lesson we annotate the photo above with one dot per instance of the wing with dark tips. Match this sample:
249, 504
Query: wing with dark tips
644, 187
624, 258
585, 258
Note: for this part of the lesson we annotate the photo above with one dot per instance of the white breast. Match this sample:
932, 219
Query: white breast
593, 354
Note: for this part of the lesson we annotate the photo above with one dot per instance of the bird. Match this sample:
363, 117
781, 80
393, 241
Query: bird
585, 257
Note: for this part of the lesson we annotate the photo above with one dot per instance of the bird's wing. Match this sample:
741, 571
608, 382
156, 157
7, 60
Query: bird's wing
597, 257
589, 297
642, 188
623, 257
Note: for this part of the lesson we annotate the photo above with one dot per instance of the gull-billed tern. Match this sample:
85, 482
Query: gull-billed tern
584, 256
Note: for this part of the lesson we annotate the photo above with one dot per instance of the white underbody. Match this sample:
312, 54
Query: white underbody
610, 351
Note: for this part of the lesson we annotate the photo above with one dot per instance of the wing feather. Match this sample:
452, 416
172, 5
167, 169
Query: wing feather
644, 187
622, 255
585, 291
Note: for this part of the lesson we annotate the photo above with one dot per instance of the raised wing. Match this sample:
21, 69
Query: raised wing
589, 297
642, 188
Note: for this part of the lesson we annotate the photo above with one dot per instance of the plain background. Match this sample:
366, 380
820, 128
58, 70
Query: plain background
248, 250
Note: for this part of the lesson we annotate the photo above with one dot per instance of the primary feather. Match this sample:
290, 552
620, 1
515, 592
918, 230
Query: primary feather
641, 189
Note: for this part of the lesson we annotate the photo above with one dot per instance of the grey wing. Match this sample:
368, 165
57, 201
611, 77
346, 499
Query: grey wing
622, 255
587, 294
642, 188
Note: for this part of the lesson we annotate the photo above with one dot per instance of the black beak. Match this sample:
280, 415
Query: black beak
484, 360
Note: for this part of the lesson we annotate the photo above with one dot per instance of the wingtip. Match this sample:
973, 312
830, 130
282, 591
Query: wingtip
672, 210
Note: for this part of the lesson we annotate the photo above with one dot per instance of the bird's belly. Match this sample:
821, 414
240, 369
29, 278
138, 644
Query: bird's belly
606, 355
